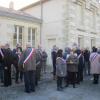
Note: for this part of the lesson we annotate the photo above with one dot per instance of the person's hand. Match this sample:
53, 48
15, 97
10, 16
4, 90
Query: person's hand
71, 62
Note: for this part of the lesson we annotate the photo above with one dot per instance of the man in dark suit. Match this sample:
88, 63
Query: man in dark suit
87, 62
54, 56
16, 55
8, 58
1, 65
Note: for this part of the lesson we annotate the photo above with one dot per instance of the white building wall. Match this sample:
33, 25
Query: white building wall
52, 18
52, 23
36, 11
81, 22
64, 21
7, 30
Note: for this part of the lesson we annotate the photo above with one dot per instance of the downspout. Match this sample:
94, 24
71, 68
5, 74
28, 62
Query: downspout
41, 8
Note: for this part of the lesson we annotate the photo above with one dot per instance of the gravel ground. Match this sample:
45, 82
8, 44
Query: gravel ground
47, 91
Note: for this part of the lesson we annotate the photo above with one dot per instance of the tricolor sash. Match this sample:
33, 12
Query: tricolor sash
61, 59
29, 56
93, 58
1, 53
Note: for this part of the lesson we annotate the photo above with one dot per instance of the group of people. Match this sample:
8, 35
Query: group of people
28, 64
73, 64
70, 66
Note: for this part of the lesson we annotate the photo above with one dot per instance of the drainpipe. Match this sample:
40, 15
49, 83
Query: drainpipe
41, 8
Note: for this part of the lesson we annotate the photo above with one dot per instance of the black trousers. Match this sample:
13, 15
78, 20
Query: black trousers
1, 75
17, 72
80, 76
71, 78
54, 68
87, 68
29, 79
59, 82
96, 78
7, 76
1, 72
21, 75
38, 74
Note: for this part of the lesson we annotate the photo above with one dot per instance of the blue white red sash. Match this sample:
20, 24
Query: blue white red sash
1, 53
93, 58
29, 56
61, 59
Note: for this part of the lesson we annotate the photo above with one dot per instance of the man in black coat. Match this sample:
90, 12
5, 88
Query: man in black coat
1, 65
38, 65
8, 59
87, 62
16, 53
54, 56
80, 67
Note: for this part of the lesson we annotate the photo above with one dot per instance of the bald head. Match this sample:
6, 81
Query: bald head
7, 46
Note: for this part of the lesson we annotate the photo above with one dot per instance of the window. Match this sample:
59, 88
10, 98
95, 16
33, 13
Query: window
80, 41
92, 19
20, 34
80, 14
31, 36
92, 42
17, 37
20, 29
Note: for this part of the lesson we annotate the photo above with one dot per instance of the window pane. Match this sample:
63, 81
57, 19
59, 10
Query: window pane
15, 36
15, 29
20, 29
29, 34
33, 34
20, 36
33, 30
33, 37
80, 14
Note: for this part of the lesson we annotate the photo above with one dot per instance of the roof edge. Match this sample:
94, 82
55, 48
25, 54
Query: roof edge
33, 4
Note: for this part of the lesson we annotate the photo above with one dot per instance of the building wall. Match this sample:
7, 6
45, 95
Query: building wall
82, 20
36, 11
7, 30
68, 22
52, 24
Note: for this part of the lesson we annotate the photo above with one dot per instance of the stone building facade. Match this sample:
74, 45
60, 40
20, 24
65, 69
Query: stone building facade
68, 22
82, 20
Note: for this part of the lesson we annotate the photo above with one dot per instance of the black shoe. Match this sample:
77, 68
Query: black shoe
2, 81
59, 89
33, 90
74, 86
66, 85
21, 81
95, 82
16, 82
78, 82
28, 91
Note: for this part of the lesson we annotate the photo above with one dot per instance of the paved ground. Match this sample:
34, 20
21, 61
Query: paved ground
47, 91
